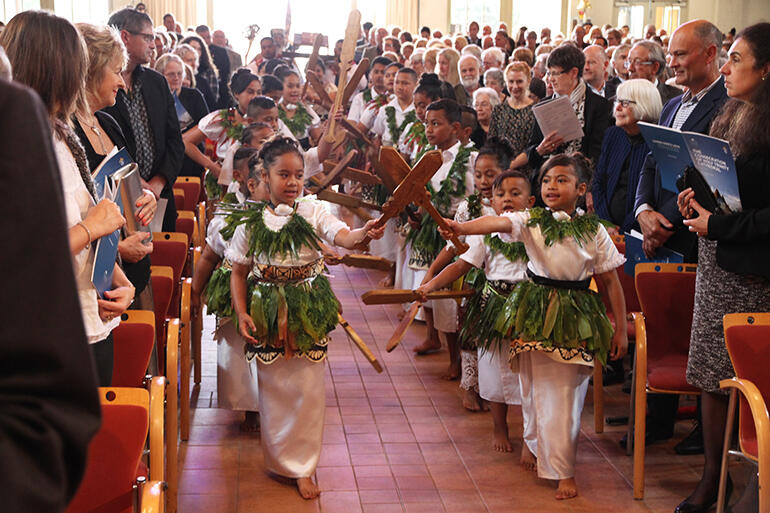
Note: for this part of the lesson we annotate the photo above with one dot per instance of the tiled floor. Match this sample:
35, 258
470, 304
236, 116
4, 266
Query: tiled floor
400, 441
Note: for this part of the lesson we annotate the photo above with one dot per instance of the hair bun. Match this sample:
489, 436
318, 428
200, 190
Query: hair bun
429, 79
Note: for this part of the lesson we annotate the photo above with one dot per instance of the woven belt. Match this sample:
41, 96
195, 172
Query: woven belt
288, 274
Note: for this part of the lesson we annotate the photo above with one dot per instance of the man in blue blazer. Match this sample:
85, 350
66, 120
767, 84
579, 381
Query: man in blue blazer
694, 50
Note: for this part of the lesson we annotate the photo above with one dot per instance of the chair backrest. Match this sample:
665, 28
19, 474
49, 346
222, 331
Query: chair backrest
133, 341
185, 223
170, 248
162, 278
667, 296
747, 336
626, 281
191, 185
114, 453
178, 198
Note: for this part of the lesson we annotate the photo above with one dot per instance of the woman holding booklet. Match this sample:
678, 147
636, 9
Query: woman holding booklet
733, 250
61, 52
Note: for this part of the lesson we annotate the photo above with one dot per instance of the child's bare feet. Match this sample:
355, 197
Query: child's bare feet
250, 422
527, 460
472, 401
307, 488
430, 345
453, 372
567, 489
501, 442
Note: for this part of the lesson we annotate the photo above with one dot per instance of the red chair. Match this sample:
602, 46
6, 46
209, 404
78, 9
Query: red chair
191, 186
133, 341
162, 279
747, 336
170, 248
667, 294
110, 484
178, 199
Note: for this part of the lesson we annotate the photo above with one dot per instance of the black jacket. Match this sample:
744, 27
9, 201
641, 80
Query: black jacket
222, 62
49, 407
743, 239
193, 102
161, 113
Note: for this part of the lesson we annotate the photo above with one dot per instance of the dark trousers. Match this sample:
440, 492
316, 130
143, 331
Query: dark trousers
102, 355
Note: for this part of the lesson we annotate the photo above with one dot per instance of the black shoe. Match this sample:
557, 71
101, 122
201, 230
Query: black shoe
688, 507
649, 437
692, 443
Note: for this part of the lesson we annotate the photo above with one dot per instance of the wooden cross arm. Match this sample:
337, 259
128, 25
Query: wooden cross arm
351, 173
355, 132
318, 87
333, 173
355, 78
398, 335
367, 262
345, 200
360, 344
396, 296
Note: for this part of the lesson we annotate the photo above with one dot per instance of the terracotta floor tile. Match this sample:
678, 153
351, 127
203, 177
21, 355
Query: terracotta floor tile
415, 482
371, 470
383, 508
189, 503
365, 448
334, 434
334, 455
424, 507
340, 502
389, 436
336, 478
213, 481
208, 457
376, 483
389, 495
369, 459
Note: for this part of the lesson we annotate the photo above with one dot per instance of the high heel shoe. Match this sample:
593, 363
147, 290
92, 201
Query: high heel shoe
688, 507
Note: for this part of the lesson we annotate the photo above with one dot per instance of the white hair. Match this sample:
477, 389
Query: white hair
474, 50
496, 53
465, 58
648, 104
494, 98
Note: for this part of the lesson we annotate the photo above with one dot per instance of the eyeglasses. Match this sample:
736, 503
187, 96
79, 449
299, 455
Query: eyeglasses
625, 103
636, 63
550, 73
149, 38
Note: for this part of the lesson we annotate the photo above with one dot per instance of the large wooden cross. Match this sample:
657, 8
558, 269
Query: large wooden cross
412, 190
347, 54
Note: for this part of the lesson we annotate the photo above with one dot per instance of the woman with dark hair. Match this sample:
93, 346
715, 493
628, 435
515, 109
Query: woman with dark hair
733, 250
223, 126
56, 67
207, 75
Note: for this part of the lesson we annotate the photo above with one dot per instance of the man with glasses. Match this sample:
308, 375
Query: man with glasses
646, 60
146, 112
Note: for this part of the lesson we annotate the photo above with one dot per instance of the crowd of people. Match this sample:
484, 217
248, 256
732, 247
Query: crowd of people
537, 213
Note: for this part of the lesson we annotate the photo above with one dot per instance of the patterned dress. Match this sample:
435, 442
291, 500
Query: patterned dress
513, 125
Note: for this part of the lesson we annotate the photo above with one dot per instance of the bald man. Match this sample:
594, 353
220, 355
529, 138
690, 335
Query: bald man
596, 70
220, 39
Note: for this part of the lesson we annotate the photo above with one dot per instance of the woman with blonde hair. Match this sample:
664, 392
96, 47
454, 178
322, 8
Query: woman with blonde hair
513, 120
429, 59
447, 66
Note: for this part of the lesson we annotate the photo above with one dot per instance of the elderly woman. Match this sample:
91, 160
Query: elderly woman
733, 250
61, 89
565, 72
207, 74
416, 61
623, 153
484, 100
492, 57
495, 79
190, 105
513, 119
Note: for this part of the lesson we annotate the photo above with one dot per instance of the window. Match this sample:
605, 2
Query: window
83, 11
537, 16
485, 12
10, 8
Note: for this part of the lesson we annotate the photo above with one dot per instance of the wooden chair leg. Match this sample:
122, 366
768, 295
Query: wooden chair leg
197, 333
598, 398
184, 364
640, 414
631, 412
172, 419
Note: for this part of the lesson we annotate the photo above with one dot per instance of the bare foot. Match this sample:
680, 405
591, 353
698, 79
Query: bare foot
472, 401
527, 460
307, 488
250, 422
567, 489
386, 282
501, 442
452, 373
428, 346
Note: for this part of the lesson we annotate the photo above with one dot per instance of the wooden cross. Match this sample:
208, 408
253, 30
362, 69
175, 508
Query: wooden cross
351, 173
332, 174
312, 61
412, 190
355, 78
352, 32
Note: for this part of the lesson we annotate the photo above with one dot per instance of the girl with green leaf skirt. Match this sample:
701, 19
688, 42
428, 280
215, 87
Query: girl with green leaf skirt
558, 326
288, 315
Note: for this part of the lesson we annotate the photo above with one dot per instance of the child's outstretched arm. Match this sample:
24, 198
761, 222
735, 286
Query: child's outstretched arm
478, 226
443, 259
349, 239
614, 292
238, 292
450, 273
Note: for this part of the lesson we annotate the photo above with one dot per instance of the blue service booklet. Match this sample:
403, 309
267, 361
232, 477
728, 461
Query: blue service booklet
106, 249
635, 253
675, 151
116, 159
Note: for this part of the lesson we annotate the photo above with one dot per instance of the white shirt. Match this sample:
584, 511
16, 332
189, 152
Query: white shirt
325, 224
214, 239
358, 103
565, 259
211, 126
496, 266
448, 158
380, 125
77, 202
369, 114
315, 121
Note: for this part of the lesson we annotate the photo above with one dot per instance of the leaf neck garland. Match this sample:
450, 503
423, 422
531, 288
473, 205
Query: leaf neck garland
453, 186
367, 95
233, 128
378, 102
582, 227
288, 241
299, 122
474, 205
395, 131
513, 251
415, 137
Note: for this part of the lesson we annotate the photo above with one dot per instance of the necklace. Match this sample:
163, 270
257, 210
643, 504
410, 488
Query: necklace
96, 130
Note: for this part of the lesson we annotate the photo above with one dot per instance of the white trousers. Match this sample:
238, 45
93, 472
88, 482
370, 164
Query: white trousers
292, 405
236, 377
552, 397
497, 383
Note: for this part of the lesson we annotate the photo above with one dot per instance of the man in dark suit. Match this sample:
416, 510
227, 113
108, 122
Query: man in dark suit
222, 62
146, 112
596, 70
646, 60
49, 407
694, 48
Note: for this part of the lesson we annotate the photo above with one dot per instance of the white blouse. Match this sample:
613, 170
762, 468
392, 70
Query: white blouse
496, 266
565, 259
325, 224
214, 239
211, 126
77, 202
448, 157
